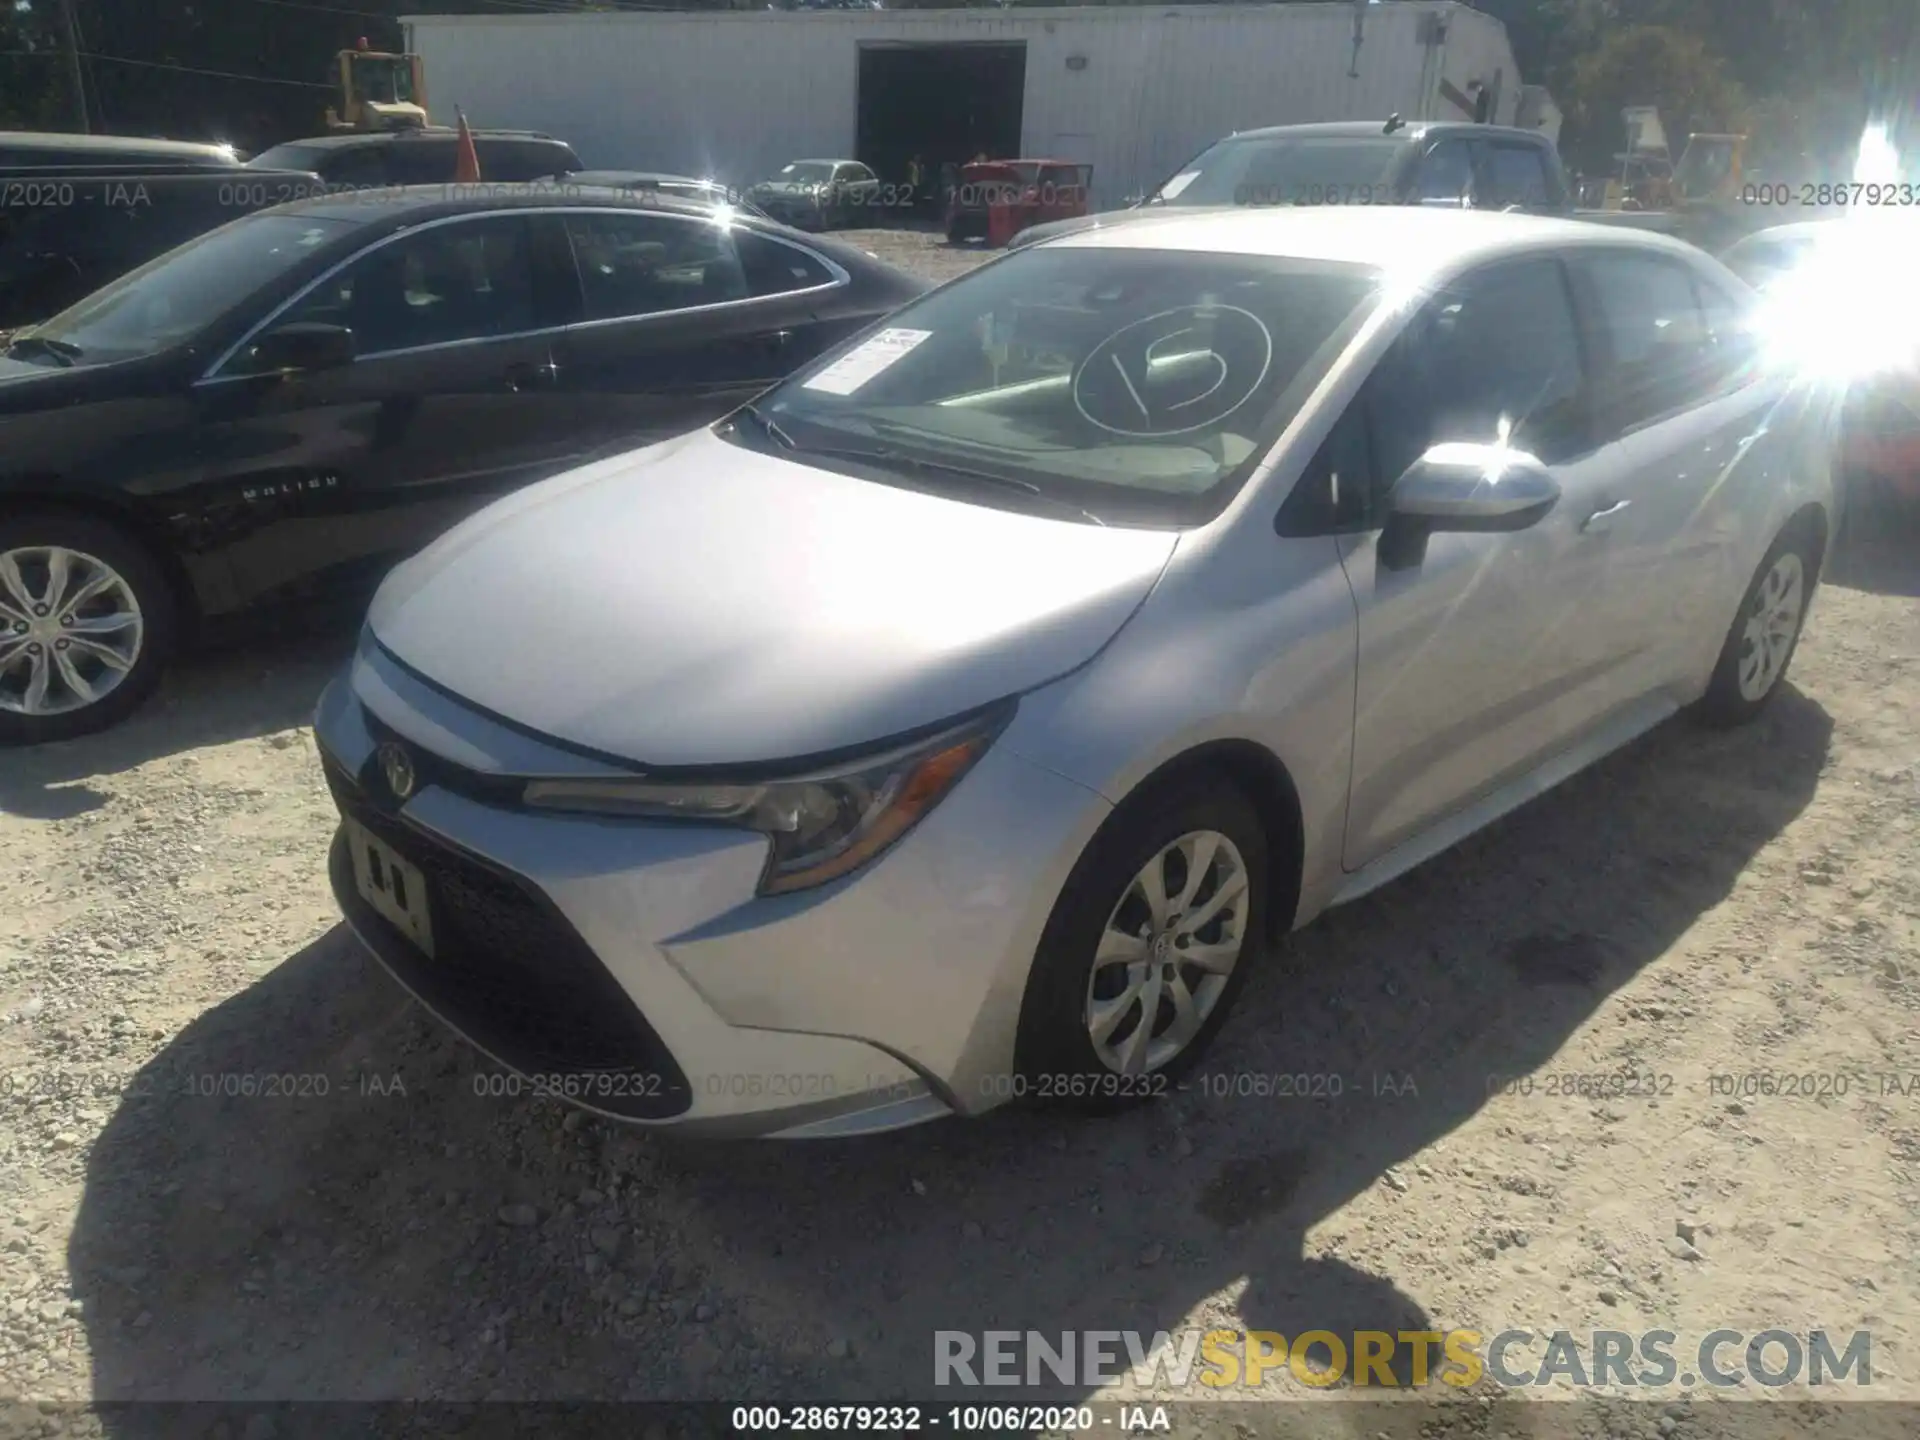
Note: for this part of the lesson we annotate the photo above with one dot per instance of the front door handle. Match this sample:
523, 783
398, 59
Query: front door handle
1601, 521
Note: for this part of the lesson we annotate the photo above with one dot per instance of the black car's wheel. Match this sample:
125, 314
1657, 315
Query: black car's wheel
1766, 631
1146, 949
86, 627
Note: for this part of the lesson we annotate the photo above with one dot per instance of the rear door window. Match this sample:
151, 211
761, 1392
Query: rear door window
421, 163
1657, 354
515, 161
773, 267
358, 167
1446, 174
643, 264
1513, 175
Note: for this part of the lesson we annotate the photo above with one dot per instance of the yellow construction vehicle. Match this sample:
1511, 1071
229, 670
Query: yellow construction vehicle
379, 91
1698, 199
1711, 171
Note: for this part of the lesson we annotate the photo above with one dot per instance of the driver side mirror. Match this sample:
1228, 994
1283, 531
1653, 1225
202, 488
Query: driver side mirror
303, 347
1463, 489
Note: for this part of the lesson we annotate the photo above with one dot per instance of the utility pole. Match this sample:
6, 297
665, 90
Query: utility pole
72, 32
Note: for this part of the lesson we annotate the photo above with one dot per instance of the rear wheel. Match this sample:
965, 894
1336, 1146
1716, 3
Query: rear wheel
1147, 948
86, 625
1765, 632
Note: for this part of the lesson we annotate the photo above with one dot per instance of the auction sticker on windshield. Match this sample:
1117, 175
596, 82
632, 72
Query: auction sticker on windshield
866, 360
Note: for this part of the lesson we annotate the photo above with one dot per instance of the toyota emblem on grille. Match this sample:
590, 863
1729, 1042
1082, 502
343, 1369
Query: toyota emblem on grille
397, 766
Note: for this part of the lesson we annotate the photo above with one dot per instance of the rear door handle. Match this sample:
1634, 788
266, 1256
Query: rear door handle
1601, 521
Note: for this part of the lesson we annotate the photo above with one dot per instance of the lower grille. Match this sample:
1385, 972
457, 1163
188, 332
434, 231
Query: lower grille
511, 974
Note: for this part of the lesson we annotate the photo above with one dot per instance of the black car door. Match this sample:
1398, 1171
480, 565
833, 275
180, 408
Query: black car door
683, 319
446, 405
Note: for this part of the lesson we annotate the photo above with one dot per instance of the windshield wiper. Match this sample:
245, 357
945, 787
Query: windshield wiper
63, 351
886, 456
767, 423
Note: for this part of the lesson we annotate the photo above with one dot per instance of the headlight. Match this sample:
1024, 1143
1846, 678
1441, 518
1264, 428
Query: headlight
822, 824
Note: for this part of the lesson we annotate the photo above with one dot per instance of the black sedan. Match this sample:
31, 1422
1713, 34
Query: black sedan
278, 411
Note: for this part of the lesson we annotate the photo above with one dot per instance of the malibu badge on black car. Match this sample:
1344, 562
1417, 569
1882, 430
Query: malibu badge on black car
279, 410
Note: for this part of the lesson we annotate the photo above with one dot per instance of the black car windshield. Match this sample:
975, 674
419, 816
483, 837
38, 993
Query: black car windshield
1135, 386
1287, 170
174, 297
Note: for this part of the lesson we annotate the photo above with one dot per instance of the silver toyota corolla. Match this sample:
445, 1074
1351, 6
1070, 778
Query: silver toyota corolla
964, 719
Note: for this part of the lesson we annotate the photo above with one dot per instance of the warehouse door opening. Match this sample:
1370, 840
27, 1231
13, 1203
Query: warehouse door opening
944, 103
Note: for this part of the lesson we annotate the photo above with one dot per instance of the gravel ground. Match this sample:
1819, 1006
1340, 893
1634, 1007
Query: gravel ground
1696, 905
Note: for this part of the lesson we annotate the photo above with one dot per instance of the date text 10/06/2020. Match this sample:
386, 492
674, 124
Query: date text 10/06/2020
1123, 1419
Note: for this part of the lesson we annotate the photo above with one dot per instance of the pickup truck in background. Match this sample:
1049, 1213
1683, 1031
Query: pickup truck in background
1482, 167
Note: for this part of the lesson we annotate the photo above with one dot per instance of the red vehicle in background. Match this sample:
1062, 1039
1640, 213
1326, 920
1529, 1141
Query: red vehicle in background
994, 200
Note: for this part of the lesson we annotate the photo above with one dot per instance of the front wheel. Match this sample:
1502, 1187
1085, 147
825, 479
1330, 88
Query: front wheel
1147, 948
1766, 631
86, 624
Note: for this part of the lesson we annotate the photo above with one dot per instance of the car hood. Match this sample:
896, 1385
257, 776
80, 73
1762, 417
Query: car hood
698, 603
1053, 229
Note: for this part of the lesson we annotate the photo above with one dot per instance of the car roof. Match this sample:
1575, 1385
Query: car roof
428, 202
628, 177
411, 135
89, 144
1382, 237
135, 176
1377, 130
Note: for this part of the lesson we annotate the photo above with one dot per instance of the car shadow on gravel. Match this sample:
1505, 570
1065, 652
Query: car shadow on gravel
236, 692
404, 1236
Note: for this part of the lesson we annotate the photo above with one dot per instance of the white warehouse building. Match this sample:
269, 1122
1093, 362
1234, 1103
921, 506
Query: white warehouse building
1134, 91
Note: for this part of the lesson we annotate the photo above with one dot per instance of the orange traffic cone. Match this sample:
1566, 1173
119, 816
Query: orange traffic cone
466, 165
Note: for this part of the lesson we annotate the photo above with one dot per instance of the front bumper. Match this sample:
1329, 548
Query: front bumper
631, 969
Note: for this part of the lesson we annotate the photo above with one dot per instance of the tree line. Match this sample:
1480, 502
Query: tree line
1803, 77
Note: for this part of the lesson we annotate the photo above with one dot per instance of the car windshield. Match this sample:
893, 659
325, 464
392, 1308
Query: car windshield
1132, 386
1286, 170
171, 298
805, 172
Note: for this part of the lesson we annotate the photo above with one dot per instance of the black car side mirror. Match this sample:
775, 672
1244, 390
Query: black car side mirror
1463, 489
304, 347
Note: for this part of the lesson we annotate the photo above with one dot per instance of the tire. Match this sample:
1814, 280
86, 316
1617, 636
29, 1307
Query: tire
1741, 685
1056, 1057
129, 613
